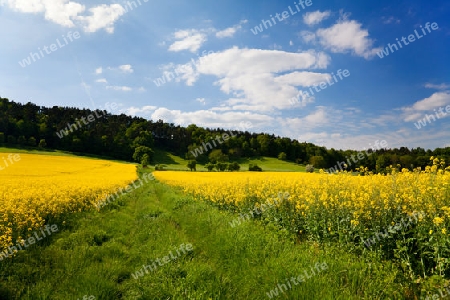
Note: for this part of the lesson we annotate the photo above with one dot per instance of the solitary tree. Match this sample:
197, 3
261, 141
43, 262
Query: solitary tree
140, 151
282, 156
192, 165
42, 143
210, 166
145, 160
309, 168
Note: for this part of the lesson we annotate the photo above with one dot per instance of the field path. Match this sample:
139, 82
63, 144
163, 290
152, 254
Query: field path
103, 254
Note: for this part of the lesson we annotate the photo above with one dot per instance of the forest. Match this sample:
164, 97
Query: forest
118, 136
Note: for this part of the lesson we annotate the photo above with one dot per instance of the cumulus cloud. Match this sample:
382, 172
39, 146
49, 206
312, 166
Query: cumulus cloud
427, 105
229, 32
201, 100
308, 36
441, 86
102, 17
347, 36
190, 40
126, 69
315, 17
260, 80
119, 88
141, 111
209, 118
61, 12
69, 13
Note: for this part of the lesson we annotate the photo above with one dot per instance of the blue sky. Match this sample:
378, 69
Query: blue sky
205, 62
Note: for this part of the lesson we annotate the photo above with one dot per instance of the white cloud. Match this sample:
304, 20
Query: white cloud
201, 100
291, 43
190, 40
304, 78
229, 32
434, 101
99, 70
417, 110
441, 86
61, 12
390, 20
260, 80
145, 110
209, 118
102, 17
308, 36
347, 36
67, 13
320, 117
315, 17
126, 69
101, 80
119, 88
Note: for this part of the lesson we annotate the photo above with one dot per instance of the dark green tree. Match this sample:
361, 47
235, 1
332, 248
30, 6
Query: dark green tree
145, 160
192, 165
140, 151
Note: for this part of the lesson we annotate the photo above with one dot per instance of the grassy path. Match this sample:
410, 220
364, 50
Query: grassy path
98, 255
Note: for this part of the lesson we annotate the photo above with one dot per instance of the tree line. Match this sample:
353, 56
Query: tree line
134, 138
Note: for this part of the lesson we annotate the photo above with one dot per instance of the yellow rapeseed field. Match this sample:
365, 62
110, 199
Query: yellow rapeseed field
37, 189
404, 211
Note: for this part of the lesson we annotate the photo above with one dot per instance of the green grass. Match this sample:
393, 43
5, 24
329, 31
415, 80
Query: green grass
173, 162
33, 150
176, 163
272, 164
96, 253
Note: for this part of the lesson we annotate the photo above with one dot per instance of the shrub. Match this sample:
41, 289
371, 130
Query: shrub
209, 166
282, 156
192, 165
234, 166
221, 166
42, 143
309, 168
160, 167
254, 167
145, 160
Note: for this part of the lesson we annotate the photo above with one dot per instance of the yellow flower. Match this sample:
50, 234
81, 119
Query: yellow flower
437, 221
42, 186
444, 230
431, 231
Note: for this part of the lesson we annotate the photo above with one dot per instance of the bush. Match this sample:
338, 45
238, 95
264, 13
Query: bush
309, 168
234, 166
221, 166
282, 156
42, 143
192, 165
209, 166
140, 151
254, 167
145, 160
32, 141
160, 167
